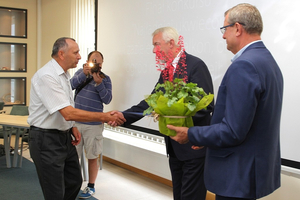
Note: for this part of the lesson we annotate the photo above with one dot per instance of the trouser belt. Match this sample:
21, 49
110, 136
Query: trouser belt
48, 130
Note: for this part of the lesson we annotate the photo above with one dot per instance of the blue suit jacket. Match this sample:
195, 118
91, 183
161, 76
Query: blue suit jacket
243, 154
198, 73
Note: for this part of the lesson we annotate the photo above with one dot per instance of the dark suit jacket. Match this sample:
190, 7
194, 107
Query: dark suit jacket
197, 73
243, 154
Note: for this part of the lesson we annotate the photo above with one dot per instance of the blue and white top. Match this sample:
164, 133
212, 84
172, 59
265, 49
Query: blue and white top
92, 96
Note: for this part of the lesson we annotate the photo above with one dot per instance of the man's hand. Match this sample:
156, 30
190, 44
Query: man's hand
181, 136
86, 69
117, 118
97, 78
197, 147
76, 136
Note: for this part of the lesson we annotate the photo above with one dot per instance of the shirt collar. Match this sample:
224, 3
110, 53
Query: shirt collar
242, 50
59, 70
176, 59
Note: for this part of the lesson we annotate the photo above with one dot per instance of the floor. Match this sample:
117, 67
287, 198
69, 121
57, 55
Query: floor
115, 183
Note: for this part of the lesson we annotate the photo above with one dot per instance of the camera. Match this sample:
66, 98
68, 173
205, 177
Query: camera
96, 68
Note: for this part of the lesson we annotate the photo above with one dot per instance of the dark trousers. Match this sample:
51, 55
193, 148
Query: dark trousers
230, 198
56, 162
187, 179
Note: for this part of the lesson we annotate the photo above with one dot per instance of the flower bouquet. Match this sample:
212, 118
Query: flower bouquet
175, 103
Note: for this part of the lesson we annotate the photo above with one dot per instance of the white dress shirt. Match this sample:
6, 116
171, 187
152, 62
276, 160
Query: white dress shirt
50, 91
176, 60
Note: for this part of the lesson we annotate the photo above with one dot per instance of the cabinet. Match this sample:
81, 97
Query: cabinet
13, 22
13, 55
13, 90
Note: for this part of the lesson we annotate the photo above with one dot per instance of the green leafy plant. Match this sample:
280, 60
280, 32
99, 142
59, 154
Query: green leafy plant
174, 91
175, 103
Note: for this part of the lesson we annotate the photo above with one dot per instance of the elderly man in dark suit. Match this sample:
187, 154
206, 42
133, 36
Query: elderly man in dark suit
186, 164
243, 155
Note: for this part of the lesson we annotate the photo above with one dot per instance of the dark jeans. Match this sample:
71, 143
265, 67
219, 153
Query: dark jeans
230, 198
187, 179
56, 162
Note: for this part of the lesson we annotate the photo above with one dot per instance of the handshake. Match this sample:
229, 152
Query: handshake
115, 118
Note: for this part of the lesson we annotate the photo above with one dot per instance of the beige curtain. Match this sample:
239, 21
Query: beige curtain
83, 28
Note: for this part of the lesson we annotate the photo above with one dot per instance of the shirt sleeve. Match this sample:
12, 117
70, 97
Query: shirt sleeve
52, 93
78, 78
105, 90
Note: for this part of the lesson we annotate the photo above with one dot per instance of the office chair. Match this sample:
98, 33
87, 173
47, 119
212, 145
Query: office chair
1, 107
17, 110
23, 111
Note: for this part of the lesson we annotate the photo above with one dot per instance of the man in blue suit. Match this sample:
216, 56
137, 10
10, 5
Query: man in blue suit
186, 164
243, 154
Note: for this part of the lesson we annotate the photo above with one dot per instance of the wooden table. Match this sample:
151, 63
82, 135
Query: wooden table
17, 122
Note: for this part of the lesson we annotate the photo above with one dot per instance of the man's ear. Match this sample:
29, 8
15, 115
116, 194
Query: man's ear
239, 29
172, 43
60, 54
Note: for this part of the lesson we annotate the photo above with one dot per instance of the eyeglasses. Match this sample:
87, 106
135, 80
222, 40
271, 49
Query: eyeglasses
223, 29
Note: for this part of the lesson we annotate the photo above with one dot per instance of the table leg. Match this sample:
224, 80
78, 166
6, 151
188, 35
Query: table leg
21, 150
6, 146
16, 150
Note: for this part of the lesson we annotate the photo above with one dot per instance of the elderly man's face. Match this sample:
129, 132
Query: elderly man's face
161, 48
